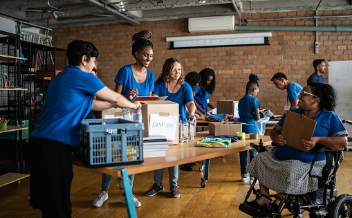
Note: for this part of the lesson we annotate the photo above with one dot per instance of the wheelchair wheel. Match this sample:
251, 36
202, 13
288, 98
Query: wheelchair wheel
342, 207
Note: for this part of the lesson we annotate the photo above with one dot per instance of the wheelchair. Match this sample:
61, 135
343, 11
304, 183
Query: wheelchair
321, 203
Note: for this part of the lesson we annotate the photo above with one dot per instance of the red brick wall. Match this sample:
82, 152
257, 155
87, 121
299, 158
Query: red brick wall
291, 53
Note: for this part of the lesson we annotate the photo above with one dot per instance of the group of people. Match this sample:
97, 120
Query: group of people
287, 169
59, 124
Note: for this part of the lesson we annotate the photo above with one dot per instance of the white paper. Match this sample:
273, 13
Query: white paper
163, 125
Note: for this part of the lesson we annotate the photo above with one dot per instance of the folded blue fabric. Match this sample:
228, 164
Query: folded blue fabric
232, 137
217, 117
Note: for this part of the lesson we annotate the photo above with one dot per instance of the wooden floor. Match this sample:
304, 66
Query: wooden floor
221, 197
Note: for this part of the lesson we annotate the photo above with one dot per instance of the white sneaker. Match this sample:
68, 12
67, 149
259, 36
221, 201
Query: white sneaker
103, 196
245, 179
135, 200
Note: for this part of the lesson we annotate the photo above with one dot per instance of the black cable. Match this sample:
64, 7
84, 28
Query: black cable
171, 6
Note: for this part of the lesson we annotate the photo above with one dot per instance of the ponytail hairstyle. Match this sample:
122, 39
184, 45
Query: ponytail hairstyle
253, 82
327, 95
141, 40
205, 73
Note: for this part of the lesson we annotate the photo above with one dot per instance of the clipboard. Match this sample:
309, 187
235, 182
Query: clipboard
149, 98
297, 127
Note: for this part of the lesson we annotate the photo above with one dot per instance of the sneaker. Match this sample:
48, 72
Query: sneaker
154, 189
201, 168
103, 196
135, 200
252, 179
174, 192
245, 178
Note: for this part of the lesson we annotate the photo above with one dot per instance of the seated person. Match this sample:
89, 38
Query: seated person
285, 167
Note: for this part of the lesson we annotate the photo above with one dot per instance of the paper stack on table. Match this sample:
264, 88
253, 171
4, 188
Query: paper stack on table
155, 146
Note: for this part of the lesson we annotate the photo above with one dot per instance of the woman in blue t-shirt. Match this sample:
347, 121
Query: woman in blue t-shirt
171, 84
248, 110
131, 81
68, 101
203, 91
287, 169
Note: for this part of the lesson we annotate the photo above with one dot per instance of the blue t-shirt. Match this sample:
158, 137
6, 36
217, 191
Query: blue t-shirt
246, 107
293, 90
68, 101
125, 77
315, 78
202, 98
328, 124
182, 96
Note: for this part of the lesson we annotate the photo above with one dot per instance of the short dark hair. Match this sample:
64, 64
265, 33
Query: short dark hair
77, 48
140, 41
193, 78
205, 73
327, 95
279, 76
317, 62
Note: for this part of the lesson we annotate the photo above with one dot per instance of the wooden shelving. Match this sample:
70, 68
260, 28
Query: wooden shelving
13, 128
11, 58
13, 89
9, 178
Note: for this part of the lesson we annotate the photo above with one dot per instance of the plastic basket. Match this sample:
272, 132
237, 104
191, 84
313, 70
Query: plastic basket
110, 142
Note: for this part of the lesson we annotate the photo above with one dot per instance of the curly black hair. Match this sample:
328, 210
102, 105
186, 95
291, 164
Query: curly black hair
193, 78
140, 41
205, 73
327, 95
253, 82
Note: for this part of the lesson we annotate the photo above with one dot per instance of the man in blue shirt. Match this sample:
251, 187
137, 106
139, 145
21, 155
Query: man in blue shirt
280, 81
319, 67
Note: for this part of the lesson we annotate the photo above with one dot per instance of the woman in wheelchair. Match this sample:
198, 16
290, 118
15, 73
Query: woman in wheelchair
286, 169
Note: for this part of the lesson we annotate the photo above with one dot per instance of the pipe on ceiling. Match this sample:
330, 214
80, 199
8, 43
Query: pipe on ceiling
235, 6
295, 28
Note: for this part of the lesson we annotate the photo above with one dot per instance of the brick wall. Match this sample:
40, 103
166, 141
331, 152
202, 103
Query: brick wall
291, 53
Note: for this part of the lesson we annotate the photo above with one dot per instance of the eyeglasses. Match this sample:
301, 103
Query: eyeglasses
303, 93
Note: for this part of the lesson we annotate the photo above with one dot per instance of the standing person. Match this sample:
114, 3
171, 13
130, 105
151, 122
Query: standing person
248, 110
204, 90
58, 130
171, 84
280, 81
319, 67
132, 80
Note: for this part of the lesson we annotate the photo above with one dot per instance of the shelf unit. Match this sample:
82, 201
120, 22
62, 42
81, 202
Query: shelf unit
11, 98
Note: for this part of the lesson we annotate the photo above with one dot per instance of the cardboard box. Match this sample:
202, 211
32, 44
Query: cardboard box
108, 113
228, 107
163, 108
228, 128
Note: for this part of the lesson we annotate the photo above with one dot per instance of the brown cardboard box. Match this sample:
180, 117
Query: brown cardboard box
218, 128
163, 108
228, 107
108, 113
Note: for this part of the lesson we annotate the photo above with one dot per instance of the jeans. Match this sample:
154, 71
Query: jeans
173, 176
244, 161
106, 178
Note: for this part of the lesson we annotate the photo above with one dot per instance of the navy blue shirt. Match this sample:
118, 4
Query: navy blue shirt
246, 107
315, 78
182, 96
68, 101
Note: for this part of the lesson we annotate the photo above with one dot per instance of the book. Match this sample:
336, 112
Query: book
155, 138
154, 153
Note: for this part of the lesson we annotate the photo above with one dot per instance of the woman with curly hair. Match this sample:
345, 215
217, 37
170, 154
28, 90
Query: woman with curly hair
171, 84
132, 80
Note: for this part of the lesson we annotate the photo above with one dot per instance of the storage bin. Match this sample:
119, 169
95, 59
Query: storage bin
110, 142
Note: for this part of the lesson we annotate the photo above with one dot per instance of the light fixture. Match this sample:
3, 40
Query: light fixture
202, 2
220, 40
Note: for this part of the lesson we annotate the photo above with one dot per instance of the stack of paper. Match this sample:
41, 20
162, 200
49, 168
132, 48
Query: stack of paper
155, 146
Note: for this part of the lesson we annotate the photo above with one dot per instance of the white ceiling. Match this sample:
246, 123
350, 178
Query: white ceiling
68, 13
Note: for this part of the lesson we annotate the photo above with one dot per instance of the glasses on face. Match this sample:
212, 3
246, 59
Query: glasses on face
303, 93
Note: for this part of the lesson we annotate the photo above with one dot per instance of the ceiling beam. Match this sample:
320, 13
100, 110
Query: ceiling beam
111, 11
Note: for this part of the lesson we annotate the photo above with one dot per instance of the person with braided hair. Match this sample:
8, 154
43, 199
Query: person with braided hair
248, 110
131, 81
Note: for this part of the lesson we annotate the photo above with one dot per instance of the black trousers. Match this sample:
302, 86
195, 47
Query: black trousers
51, 177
